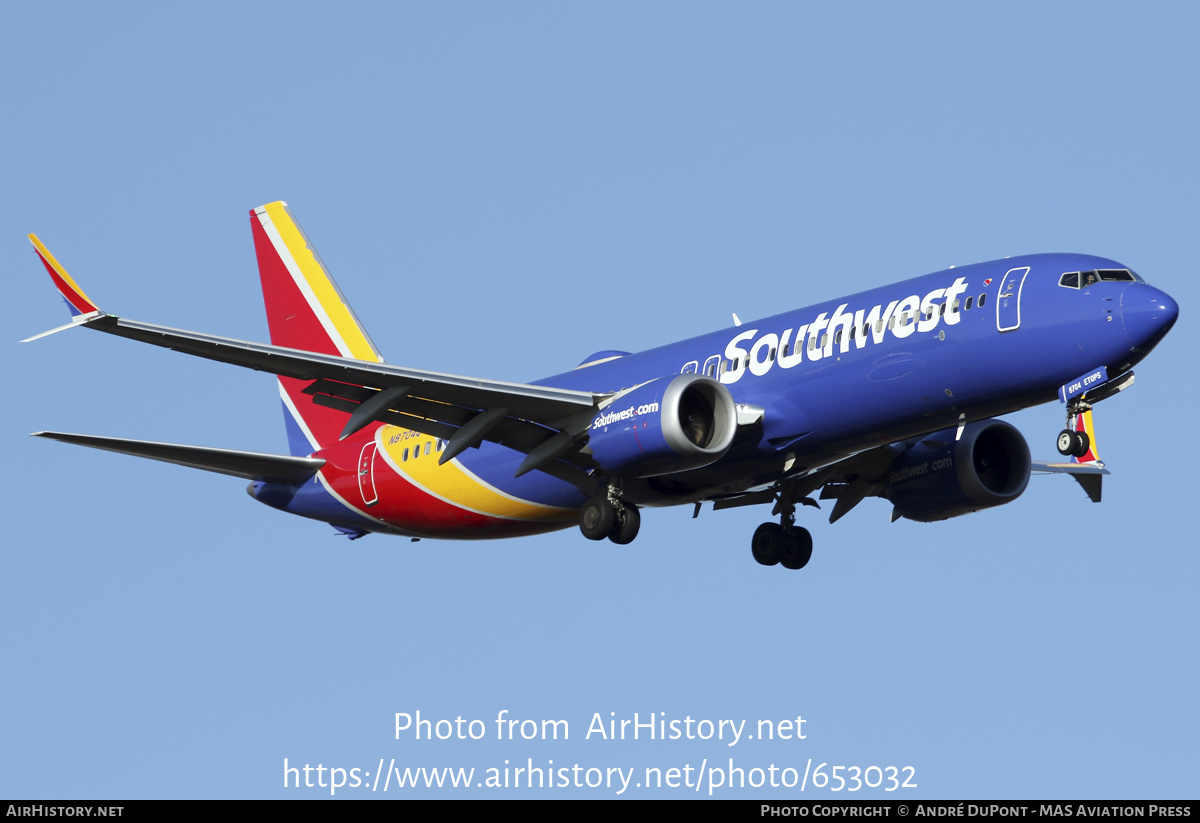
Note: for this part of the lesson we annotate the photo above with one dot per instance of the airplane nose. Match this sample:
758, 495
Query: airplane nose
1147, 314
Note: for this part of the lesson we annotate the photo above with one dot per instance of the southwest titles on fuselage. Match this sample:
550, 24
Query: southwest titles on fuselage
820, 338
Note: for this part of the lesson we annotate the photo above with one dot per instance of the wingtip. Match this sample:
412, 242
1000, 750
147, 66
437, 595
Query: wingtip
78, 302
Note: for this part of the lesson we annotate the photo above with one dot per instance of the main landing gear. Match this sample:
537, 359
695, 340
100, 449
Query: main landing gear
1071, 442
603, 517
783, 543
773, 545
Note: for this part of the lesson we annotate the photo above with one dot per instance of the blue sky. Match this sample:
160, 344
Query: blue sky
501, 190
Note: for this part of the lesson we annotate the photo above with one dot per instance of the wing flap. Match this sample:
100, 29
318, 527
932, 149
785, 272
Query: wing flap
443, 420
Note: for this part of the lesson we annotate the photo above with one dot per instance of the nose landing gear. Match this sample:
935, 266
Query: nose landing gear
1078, 438
1073, 441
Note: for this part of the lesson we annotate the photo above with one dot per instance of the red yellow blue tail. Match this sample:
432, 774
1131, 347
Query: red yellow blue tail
305, 310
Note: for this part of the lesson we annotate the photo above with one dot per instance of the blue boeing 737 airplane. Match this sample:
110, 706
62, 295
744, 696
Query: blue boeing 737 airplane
888, 393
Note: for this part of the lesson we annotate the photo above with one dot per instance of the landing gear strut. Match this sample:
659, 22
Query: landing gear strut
783, 543
607, 516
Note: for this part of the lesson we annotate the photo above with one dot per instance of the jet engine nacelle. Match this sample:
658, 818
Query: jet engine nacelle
940, 477
668, 425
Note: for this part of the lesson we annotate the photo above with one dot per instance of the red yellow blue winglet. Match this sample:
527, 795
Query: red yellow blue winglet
77, 301
80, 305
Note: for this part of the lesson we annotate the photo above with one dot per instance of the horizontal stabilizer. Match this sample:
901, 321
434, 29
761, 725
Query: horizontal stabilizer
247, 465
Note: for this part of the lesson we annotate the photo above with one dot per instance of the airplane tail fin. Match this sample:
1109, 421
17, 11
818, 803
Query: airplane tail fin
306, 311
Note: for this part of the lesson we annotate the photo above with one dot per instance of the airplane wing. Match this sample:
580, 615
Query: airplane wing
462, 410
536, 403
849, 480
1088, 475
545, 423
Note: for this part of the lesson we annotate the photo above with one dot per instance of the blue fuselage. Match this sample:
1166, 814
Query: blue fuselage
977, 341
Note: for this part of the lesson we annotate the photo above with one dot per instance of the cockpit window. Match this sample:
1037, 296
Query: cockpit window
1083, 279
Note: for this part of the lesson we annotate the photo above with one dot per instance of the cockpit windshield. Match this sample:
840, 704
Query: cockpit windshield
1083, 279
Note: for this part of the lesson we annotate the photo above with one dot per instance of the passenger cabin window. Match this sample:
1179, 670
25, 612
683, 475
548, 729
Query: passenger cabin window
982, 299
